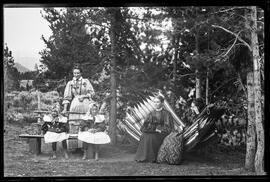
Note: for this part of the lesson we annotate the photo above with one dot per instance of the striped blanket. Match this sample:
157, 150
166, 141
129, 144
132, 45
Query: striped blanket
201, 130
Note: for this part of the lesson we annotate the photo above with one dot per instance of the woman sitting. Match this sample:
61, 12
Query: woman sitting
92, 131
155, 128
55, 129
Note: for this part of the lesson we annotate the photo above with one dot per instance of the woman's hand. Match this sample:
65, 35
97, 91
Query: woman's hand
65, 109
92, 130
81, 98
158, 129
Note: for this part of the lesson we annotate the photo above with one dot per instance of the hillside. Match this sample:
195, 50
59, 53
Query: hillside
21, 68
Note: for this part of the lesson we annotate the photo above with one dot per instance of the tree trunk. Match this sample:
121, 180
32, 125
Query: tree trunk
39, 105
198, 85
198, 80
259, 158
207, 87
175, 57
174, 65
113, 112
5, 77
251, 132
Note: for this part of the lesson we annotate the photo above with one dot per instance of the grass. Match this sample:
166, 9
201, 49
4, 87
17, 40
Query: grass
114, 161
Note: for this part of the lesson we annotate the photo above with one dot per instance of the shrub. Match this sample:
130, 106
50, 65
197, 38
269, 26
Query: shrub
22, 104
14, 117
23, 99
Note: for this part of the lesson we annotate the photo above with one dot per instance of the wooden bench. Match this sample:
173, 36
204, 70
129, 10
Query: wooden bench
34, 142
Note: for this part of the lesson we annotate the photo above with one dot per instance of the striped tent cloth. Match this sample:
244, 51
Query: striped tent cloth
200, 131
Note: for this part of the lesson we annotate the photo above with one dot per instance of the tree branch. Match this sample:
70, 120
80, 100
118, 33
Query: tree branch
232, 44
241, 40
229, 9
242, 85
260, 22
224, 83
181, 76
97, 24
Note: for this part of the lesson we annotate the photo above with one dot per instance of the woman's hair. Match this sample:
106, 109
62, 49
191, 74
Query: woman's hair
159, 97
77, 66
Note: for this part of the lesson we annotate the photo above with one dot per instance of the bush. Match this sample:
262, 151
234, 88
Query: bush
23, 99
22, 104
15, 117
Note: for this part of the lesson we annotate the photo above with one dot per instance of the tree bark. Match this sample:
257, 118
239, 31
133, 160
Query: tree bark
259, 158
198, 80
207, 87
113, 111
251, 132
174, 66
175, 57
198, 85
39, 105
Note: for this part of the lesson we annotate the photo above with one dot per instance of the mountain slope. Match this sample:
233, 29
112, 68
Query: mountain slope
21, 68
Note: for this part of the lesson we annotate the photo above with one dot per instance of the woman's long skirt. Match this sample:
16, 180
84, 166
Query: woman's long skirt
148, 147
80, 107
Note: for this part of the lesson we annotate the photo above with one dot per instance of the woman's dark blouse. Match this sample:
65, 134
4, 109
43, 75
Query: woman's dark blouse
90, 124
161, 120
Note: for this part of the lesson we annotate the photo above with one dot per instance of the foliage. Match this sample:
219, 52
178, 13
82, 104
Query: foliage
19, 106
226, 58
29, 75
69, 43
144, 63
11, 74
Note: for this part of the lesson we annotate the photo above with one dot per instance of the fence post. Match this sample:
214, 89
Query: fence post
38, 97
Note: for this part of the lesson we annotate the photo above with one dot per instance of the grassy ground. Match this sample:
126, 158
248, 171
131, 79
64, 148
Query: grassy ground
114, 161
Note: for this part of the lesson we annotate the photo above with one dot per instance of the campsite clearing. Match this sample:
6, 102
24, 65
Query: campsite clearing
114, 161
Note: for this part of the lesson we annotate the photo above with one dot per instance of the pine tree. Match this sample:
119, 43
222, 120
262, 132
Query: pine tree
11, 74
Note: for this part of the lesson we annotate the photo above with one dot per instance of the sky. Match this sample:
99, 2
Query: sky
23, 28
